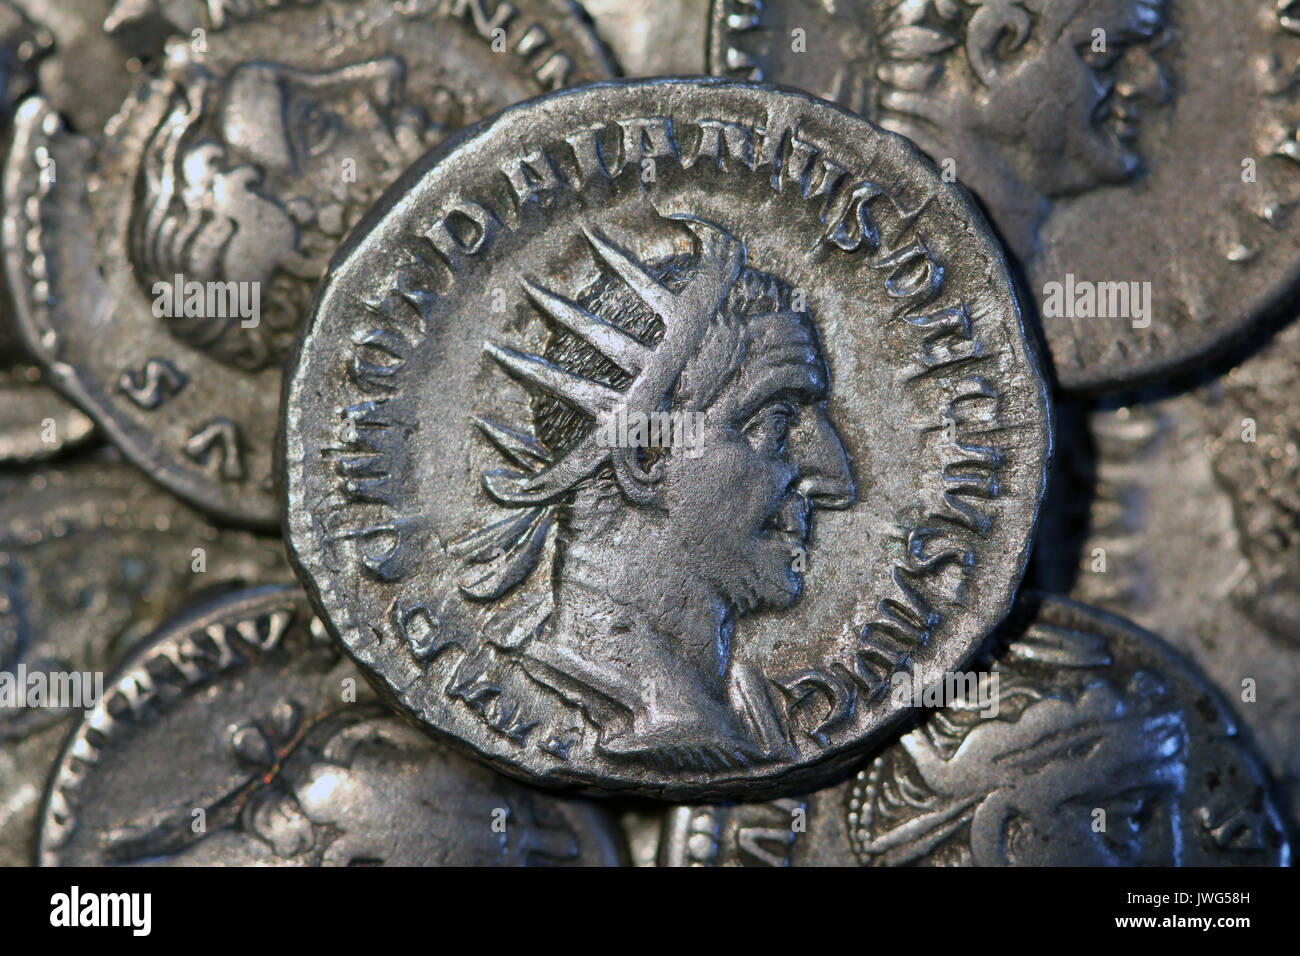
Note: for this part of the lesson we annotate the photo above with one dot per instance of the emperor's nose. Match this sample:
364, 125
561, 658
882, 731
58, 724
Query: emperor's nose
824, 474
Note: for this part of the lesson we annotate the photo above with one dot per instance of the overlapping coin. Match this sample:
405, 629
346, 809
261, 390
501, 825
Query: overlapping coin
275, 754
162, 273
93, 556
1191, 521
640, 436
1138, 157
35, 423
1089, 743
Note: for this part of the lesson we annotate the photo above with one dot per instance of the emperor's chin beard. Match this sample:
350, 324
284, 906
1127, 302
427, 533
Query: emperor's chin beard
775, 589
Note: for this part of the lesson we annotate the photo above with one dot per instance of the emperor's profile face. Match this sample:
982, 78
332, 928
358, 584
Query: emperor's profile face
299, 128
661, 547
742, 511
1096, 60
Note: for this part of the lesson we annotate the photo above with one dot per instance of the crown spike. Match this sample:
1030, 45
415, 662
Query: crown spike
524, 450
647, 288
549, 484
613, 343
582, 393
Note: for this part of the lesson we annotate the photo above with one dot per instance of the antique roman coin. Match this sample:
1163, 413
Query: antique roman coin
35, 422
641, 435
1089, 742
162, 273
1138, 157
93, 557
1192, 528
239, 734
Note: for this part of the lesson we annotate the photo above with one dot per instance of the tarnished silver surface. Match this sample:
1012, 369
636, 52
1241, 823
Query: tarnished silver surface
862, 438
34, 421
275, 753
654, 37
238, 169
84, 72
1192, 510
1125, 141
1107, 749
92, 557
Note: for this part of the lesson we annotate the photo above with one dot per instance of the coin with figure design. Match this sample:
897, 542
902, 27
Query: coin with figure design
1086, 742
277, 754
640, 435
1138, 157
162, 274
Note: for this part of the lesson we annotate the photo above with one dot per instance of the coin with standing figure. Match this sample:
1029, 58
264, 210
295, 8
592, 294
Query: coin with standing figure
239, 735
93, 556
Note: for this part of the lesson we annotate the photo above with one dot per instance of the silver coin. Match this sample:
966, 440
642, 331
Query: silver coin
161, 277
1192, 529
35, 423
574, 399
1113, 144
83, 71
92, 557
1098, 746
654, 37
239, 735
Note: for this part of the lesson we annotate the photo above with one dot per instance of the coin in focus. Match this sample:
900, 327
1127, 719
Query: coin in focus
639, 437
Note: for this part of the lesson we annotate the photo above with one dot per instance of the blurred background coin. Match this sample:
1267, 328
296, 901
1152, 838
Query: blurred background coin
1096, 746
1138, 157
162, 273
239, 735
35, 422
92, 558
654, 37
1182, 511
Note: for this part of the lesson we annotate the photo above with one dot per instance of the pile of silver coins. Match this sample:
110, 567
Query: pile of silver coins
659, 433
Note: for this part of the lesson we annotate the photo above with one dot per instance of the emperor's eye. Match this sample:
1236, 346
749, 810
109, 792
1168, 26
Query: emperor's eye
769, 428
312, 127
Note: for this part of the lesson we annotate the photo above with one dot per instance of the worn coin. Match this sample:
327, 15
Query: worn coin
1192, 527
83, 71
92, 558
574, 400
1089, 743
1138, 158
34, 421
162, 276
275, 753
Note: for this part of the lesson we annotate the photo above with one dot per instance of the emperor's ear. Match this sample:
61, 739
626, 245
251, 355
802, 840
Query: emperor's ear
998, 27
